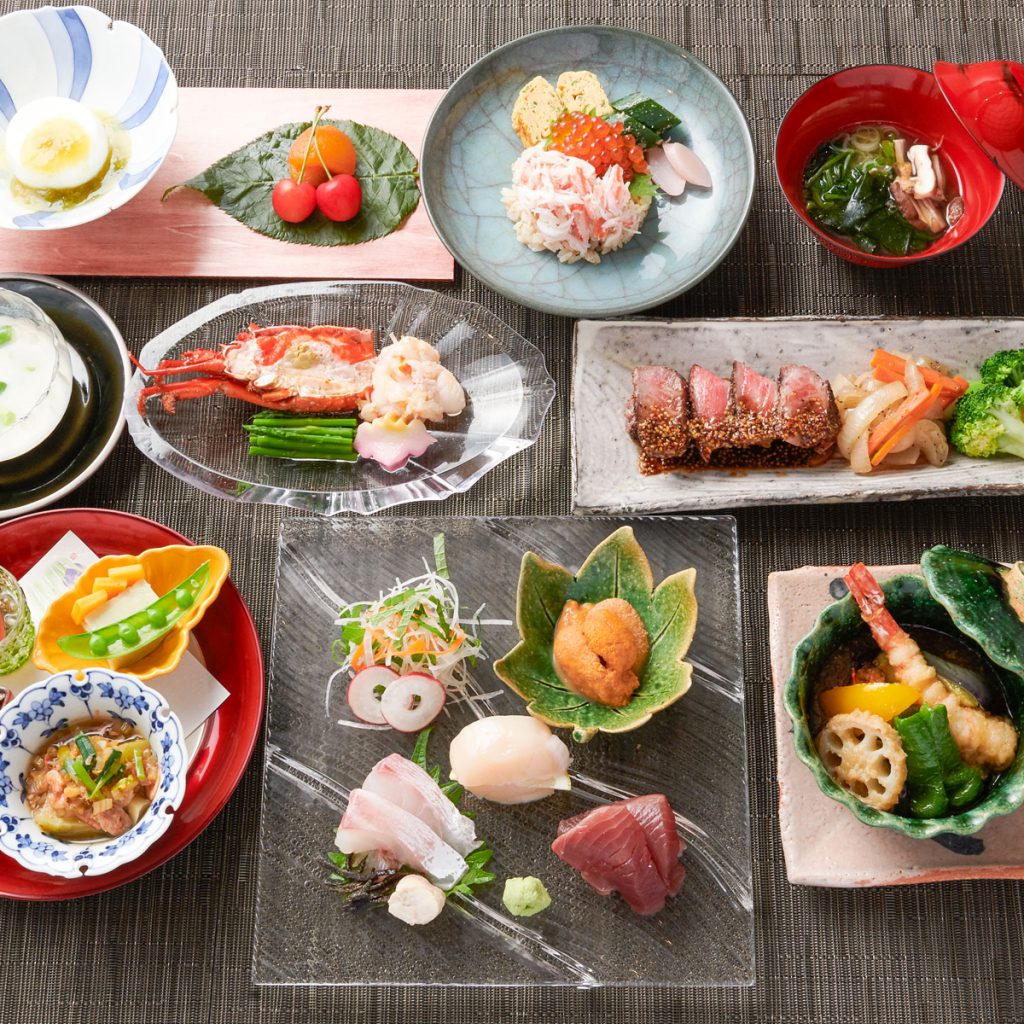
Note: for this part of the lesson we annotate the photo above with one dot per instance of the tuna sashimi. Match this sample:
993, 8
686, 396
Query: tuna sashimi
655, 817
406, 785
372, 823
609, 848
806, 412
656, 411
710, 416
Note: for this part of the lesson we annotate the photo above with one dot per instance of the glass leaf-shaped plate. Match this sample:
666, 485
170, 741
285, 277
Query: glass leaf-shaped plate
694, 752
507, 386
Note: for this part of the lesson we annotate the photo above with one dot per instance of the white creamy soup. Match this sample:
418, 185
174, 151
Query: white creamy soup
35, 385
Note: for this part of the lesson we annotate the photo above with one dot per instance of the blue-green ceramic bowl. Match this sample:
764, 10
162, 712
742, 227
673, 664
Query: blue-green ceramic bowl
470, 147
910, 602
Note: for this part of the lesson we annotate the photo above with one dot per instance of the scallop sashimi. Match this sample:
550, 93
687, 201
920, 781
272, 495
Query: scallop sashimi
410, 788
510, 759
371, 823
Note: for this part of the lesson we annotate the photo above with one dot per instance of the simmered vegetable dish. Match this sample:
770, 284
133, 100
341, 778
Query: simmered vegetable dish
94, 780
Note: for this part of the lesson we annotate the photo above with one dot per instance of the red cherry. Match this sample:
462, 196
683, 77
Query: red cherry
340, 198
293, 201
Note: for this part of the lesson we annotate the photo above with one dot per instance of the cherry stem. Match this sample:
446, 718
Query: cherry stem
317, 114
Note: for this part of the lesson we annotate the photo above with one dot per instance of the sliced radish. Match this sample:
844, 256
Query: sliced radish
366, 690
687, 164
412, 702
665, 176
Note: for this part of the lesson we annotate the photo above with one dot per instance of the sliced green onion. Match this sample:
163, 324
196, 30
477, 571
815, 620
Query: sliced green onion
110, 769
85, 748
140, 768
6, 333
75, 768
3, 386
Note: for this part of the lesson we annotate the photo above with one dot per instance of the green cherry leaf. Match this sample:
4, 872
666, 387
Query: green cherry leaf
241, 184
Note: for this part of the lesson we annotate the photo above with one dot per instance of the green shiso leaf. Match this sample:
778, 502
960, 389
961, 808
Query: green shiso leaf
241, 184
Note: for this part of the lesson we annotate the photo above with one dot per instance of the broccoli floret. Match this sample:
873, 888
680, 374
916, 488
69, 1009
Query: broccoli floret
989, 420
1006, 368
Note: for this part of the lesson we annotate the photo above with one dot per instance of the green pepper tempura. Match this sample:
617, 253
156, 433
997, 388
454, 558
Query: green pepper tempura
869, 188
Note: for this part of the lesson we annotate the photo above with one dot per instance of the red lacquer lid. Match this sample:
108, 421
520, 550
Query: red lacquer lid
988, 98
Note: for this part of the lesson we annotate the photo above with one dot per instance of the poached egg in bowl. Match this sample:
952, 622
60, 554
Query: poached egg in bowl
57, 145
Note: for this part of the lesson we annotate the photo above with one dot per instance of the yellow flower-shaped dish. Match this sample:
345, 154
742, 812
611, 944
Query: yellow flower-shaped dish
165, 569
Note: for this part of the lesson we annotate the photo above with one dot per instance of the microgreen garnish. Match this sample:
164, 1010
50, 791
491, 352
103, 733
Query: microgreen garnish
476, 872
440, 558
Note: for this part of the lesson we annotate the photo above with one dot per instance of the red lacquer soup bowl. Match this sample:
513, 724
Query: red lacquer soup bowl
907, 99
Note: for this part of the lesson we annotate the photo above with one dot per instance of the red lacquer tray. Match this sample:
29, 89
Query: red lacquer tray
231, 649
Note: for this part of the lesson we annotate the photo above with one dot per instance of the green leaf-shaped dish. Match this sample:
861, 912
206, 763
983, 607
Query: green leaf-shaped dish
241, 184
910, 602
980, 597
617, 567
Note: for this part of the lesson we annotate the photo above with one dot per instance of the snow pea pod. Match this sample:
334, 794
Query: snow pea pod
141, 628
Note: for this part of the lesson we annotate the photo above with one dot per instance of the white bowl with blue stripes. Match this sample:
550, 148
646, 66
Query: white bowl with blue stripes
68, 698
111, 67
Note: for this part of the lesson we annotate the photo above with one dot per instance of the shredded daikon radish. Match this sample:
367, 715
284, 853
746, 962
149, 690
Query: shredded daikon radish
416, 626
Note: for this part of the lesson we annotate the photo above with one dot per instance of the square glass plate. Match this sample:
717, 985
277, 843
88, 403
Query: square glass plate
694, 752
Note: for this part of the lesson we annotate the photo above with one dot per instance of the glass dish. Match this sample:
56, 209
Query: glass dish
18, 632
507, 387
694, 752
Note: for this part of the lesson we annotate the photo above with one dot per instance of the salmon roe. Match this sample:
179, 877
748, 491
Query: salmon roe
599, 142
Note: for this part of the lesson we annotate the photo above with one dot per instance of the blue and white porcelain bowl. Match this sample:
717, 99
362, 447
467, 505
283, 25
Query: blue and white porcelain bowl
46, 707
111, 67
470, 146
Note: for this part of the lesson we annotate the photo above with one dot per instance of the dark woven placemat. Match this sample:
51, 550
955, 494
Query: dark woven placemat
176, 945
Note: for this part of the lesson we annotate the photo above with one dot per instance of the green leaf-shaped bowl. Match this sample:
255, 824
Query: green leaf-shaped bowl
911, 603
617, 567
975, 593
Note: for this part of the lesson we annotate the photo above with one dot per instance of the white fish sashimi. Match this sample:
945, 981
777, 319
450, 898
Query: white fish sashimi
510, 759
372, 823
406, 785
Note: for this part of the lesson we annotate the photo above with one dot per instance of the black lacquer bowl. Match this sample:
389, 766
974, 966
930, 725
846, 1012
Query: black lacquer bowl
95, 418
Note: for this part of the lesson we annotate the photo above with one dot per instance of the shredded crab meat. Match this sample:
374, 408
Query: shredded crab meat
559, 203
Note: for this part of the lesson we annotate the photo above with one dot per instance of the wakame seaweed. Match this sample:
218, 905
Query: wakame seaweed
847, 194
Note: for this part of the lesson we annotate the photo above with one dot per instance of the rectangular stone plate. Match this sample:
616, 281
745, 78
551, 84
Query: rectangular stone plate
823, 842
605, 473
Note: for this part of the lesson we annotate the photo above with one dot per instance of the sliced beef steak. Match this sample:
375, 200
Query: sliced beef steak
656, 412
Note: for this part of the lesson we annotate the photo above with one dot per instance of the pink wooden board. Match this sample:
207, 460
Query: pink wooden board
823, 842
187, 236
